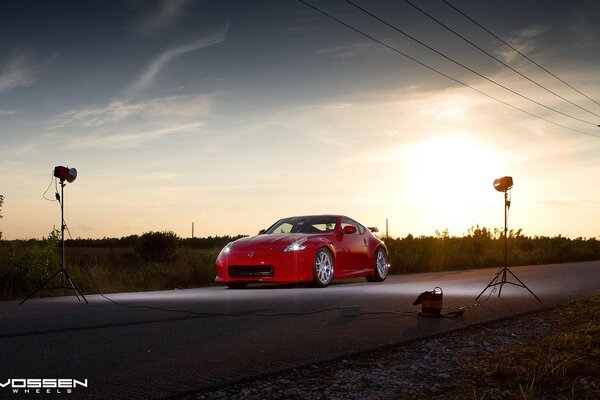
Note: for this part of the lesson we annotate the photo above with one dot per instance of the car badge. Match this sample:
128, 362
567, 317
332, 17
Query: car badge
250, 254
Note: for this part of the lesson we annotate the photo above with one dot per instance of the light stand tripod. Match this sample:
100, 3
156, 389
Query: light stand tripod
500, 278
64, 276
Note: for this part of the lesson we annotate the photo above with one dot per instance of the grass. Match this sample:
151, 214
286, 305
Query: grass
564, 363
122, 271
161, 260
109, 270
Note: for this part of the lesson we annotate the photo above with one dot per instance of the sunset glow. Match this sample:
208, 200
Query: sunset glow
233, 115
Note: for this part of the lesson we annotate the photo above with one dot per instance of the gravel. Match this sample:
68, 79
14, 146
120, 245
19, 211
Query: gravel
416, 370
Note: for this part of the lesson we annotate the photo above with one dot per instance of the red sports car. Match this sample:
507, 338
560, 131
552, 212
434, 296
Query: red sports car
314, 248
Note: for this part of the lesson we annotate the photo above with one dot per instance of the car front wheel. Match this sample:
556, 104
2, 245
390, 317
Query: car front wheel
323, 268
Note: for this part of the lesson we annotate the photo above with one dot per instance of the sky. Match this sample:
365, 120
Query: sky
234, 114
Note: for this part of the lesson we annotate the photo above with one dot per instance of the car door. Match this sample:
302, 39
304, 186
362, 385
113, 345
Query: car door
356, 245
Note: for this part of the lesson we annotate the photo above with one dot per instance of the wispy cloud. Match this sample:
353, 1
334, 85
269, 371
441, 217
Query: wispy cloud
524, 40
21, 69
342, 52
7, 112
129, 139
148, 75
164, 14
116, 111
96, 115
127, 124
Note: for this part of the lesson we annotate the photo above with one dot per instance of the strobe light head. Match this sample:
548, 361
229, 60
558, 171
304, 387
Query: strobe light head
65, 173
503, 184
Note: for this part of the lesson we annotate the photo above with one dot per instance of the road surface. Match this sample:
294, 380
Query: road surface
159, 344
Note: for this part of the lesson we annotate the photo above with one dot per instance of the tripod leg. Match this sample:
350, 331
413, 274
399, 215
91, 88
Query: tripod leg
503, 281
525, 286
75, 288
489, 285
40, 287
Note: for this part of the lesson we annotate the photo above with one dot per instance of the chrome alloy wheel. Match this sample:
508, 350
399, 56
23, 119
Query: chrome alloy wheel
382, 264
323, 268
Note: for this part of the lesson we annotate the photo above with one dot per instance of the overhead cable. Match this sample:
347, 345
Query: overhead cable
442, 73
496, 58
466, 67
520, 52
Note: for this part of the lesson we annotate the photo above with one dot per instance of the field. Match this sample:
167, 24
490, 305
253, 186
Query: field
161, 260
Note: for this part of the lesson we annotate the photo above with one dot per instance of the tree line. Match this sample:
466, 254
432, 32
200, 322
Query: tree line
484, 248
133, 241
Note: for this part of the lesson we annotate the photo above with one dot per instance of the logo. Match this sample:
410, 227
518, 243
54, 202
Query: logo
42, 386
250, 254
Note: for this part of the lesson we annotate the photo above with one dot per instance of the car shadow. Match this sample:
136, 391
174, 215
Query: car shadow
266, 286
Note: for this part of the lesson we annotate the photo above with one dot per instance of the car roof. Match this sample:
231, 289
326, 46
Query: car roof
316, 215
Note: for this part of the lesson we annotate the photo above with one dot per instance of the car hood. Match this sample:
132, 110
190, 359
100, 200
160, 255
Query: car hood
266, 241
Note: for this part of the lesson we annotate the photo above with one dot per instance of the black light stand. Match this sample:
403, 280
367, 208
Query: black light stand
500, 278
64, 276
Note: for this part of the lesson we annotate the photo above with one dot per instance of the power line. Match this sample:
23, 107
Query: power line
466, 67
519, 52
440, 72
497, 59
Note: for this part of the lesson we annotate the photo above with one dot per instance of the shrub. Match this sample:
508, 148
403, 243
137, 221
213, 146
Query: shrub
24, 268
158, 246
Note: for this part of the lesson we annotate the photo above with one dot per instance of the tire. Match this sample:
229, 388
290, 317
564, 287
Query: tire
323, 268
380, 266
236, 285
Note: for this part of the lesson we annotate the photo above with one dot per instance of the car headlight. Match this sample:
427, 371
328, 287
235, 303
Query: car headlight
296, 246
227, 248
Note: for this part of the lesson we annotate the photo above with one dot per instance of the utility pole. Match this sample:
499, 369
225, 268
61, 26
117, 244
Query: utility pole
387, 232
192, 230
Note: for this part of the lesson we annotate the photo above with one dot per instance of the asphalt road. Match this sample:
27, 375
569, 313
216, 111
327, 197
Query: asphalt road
215, 335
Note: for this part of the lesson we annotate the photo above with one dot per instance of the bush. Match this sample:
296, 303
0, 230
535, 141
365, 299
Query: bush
24, 268
484, 248
158, 246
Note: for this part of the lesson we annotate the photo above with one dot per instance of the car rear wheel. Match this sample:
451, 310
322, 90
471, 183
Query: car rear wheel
323, 268
380, 268
236, 285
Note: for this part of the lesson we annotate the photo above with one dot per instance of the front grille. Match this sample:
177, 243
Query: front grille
250, 271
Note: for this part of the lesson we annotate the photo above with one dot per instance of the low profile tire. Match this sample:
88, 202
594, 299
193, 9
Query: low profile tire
236, 285
380, 267
323, 268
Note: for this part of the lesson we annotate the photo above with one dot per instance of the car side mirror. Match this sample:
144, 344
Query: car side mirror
349, 229
262, 231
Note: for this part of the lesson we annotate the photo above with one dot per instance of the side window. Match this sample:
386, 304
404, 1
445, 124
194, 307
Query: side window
361, 229
349, 222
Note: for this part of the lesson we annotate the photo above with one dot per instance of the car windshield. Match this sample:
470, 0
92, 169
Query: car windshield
313, 224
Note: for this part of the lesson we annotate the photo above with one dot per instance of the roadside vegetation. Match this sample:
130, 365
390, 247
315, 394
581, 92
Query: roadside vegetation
161, 260
484, 248
563, 363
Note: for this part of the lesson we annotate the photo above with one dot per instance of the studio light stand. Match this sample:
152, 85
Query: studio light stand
68, 174
504, 185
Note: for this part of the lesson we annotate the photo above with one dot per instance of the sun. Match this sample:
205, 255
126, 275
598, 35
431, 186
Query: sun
451, 180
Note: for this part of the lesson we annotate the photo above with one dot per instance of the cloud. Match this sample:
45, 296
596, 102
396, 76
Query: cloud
21, 69
148, 75
129, 139
342, 52
524, 40
163, 15
97, 115
126, 123
7, 112
116, 111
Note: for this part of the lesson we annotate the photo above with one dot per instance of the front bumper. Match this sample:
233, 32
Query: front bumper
264, 266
